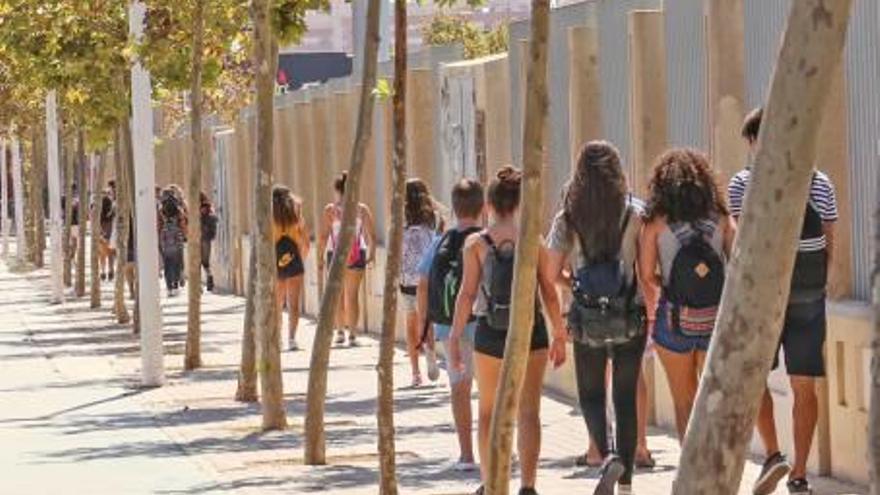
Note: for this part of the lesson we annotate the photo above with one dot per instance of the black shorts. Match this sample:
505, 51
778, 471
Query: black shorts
492, 342
803, 339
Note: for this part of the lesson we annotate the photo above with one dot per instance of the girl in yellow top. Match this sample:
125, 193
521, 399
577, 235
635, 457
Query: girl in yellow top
291, 239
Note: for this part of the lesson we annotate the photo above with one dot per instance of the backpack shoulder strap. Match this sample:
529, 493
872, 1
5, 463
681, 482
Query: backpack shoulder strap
488, 240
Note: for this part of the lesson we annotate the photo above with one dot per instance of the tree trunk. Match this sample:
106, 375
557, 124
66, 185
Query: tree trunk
83, 190
265, 307
513, 368
29, 178
317, 391
123, 224
385, 412
18, 193
4, 200
758, 283
56, 254
67, 163
247, 372
35, 198
193, 352
95, 224
874, 413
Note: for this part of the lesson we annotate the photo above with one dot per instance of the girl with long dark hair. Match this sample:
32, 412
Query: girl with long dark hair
291, 249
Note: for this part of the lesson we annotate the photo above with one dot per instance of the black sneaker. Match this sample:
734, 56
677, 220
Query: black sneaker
527, 491
210, 283
775, 468
480, 491
612, 470
799, 486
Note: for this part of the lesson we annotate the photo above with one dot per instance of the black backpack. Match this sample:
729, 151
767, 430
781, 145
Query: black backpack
497, 283
171, 237
604, 310
696, 282
444, 278
287, 257
810, 275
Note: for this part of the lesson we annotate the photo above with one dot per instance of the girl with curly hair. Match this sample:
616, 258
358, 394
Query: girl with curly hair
683, 251
291, 239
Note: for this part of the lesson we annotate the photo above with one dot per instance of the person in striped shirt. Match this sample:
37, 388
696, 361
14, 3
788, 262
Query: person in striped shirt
803, 332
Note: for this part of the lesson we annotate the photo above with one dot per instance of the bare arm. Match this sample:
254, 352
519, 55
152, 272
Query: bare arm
422, 301
470, 284
830, 231
729, 226
369, 232
549, 270
649, 281
324, 233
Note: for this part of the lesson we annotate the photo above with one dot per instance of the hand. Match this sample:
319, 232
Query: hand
455, 362
557, 351
371, 258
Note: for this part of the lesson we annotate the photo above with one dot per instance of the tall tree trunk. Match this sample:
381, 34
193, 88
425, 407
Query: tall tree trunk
317, 391
385, 411
35, 198
513, 368
4, 200
67, 162
247, 371
30, 178
149, 313
83, 190
265, 307
95, 224
758, 282
18, 193
874, 413
193, 352
122, 225
53, 175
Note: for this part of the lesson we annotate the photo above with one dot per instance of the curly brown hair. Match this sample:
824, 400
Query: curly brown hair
420, 207
285, 211
594, 201
505, 189
683, 188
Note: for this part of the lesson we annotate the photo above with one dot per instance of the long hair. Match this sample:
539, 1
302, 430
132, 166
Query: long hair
284, 207
419, 206
684, 188
595, 200
107, 212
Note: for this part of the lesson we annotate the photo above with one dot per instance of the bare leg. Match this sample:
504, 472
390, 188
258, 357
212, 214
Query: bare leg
461, 413
413, 336
529, 427
805, 416
353, 279
294, 305
681, 370
643, 455
766, 424
488, 368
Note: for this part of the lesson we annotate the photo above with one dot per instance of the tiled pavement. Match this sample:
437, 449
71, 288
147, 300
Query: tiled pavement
73, 418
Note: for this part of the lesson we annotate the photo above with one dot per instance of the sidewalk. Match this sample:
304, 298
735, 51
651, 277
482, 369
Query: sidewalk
73, 417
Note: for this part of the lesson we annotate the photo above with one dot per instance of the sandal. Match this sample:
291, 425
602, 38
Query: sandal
645, 462
583, 460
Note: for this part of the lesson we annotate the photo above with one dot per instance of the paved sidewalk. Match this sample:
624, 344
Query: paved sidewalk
75, 421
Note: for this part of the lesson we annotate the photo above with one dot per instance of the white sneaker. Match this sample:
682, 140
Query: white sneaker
433, 369
464, 467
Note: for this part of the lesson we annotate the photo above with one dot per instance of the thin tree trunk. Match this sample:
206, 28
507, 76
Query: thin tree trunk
265, 307
4, 201
56, 254
83, 190
874, 413
247, 372
513, 368
385, 411
95, 223
315, 452
67, 163
35, 198
123, 224
133, 267
30, 177
193, 352
18, 193
758, 283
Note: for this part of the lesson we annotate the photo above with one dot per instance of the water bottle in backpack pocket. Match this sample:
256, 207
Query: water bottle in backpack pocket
696, 282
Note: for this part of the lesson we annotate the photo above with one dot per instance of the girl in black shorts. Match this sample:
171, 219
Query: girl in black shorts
480, 278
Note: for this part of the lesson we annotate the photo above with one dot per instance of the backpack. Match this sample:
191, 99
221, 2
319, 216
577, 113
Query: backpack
810, 275
497, 284
696, 282
416, 240
209, 227
171, 238
287, 256
444, 278
604, 311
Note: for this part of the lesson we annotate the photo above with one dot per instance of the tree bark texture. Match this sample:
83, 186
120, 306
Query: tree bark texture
193, 351
123, 224
265, 307
247, 371
513, 368
67, 157
30, 186
758, 283
83, 190
18, 194
874, 408
385, 369
37, 183
4, 191
315, 453
53, 179
95, 230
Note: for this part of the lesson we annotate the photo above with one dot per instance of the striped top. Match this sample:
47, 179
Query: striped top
822, 198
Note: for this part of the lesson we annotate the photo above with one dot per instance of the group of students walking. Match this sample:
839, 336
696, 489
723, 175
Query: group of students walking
619, 277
